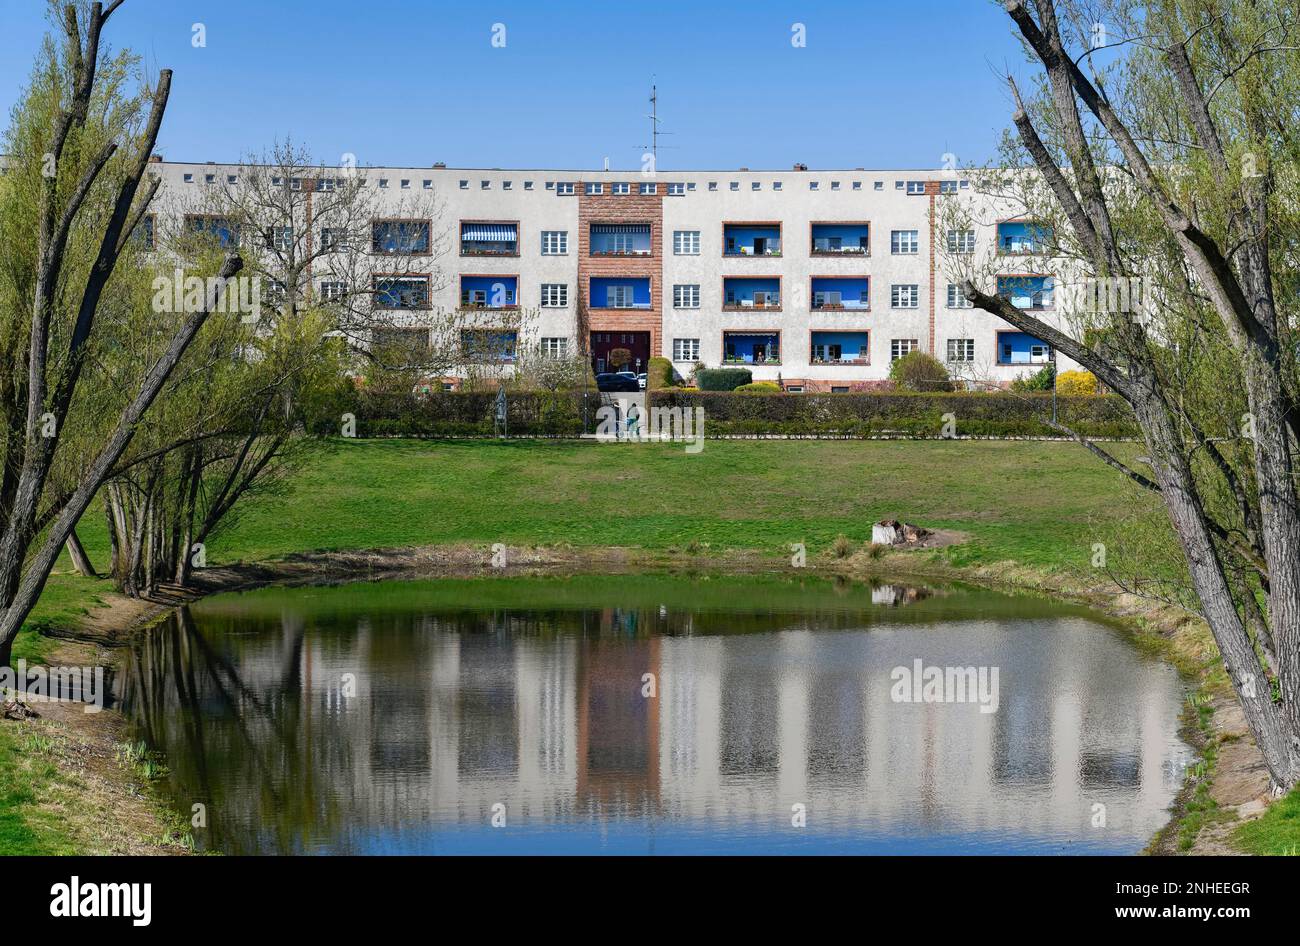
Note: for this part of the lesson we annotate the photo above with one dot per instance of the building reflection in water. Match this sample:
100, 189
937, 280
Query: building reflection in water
311, 731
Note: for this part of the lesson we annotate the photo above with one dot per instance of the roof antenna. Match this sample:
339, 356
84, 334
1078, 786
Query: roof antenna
653, 147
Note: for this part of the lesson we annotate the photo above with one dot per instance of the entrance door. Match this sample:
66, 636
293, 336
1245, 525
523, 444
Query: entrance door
607, 348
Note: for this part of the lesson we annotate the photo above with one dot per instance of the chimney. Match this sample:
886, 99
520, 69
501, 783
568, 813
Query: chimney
801, 167
441, 165
155, 159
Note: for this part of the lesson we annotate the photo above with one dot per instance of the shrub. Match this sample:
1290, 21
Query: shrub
759, 387
1039, 381
842, 547
921, 372
1076, 383
659, 374
722, 379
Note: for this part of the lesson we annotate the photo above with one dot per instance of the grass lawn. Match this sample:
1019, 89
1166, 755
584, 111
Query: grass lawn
1035, 503
1277, 831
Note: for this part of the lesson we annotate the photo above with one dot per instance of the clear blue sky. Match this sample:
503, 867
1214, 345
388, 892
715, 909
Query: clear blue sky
881, 83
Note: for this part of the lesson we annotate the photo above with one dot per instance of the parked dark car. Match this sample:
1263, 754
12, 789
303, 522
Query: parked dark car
617, 382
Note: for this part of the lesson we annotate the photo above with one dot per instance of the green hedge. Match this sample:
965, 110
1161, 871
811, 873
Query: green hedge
902, 414
722, 379
464, 414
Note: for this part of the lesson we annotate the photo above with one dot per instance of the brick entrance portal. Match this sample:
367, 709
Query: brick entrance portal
602, 343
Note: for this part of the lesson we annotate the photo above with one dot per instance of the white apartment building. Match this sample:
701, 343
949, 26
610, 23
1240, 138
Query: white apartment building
819, 279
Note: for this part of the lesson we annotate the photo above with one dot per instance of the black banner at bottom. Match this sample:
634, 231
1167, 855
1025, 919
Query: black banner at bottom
143, 896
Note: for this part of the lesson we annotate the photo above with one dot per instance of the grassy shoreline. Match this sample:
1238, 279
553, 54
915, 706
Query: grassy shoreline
1032, 512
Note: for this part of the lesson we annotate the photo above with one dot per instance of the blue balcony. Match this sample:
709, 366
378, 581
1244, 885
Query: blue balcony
1028, 291
742, 348
621, 239
401, 292
841, 239
1024, 237
489, 292
220, 229
847, 292
841, 348
751, 239
747, 294
489, 239
1017, 348
488, 346
620, 292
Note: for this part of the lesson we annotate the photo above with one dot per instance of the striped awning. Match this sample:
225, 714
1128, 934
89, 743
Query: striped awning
489, 232
620, 228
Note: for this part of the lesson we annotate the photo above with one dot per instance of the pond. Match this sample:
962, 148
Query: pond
657, 714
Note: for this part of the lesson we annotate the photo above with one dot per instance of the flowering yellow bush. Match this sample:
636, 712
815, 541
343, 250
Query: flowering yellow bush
1076, 382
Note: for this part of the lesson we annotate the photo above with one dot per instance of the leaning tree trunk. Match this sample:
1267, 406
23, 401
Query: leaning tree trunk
80, 560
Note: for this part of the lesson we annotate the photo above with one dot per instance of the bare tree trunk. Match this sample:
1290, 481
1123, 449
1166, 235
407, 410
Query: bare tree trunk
80, 560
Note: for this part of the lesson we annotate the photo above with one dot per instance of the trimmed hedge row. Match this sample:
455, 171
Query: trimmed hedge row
869, 414
465, 414
873, 414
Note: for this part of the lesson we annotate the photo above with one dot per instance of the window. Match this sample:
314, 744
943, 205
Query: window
209, 179
686, 242
507, 185
406, 184
189, 178
146, 234
555, 347
427, 184
903, 241
676, 190
564, 188
776, 185
528, 185
904, 296
555, 242
756, 186
333, 238
280, 238
618, 297
713, 185
686, 349
813, 185
947, 187
961, 349
916, 187
956, 298
488, 345
735, 185
485, 185
555, 295
464, 185
647, 188
878, 185
402, 292
593, 188
621, 187
232, 178
332, 290
326, 184
961, 241
383, 183
400, 236
898, 347
686, 296
857, 185
276, 292
835, 185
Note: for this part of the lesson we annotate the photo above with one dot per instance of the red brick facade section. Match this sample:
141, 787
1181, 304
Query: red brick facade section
623, 209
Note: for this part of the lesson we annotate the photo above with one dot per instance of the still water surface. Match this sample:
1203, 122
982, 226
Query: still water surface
407, 717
